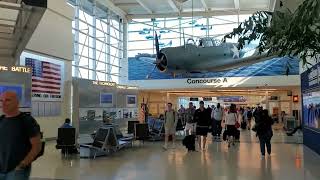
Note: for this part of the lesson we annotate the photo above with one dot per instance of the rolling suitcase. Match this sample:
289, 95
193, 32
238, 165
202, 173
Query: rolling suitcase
189, 142
243, 125
237, 135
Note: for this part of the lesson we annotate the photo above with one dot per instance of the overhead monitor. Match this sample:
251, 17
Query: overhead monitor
194, 99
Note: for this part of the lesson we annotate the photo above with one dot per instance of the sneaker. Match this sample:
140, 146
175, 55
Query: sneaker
173, 146
262, 156
165, 147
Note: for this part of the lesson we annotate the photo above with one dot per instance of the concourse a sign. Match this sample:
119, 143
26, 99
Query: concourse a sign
208, 81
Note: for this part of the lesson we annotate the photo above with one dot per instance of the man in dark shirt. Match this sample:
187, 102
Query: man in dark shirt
202, 118
19, 140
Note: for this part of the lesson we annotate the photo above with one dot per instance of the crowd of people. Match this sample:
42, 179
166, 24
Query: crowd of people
215, 119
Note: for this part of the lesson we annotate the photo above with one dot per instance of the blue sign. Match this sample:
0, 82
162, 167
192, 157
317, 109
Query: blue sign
310, 88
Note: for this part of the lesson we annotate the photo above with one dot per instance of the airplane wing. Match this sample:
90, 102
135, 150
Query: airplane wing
228, 64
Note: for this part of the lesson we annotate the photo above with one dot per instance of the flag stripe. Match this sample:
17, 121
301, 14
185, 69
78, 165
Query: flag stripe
52, 77
51, 64
35, 81
47, 87
51, 73
43, 91
51, 67
51, 70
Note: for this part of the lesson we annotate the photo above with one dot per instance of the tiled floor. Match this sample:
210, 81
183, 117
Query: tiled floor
289, 161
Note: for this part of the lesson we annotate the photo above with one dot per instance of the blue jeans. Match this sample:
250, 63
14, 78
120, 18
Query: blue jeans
264, 141
23, 174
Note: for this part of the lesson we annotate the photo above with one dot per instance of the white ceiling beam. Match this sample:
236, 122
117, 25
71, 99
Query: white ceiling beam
237, 4
145, 6
173, 6
126, 4
204, 4
196, 13
112, 7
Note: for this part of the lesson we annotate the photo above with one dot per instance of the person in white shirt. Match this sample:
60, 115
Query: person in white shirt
217, 116
170, 124
230, 120
190, 123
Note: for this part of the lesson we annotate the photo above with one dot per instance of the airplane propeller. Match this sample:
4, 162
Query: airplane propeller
161, 60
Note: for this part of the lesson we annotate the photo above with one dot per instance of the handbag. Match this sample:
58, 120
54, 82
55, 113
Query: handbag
224, 135
237, 125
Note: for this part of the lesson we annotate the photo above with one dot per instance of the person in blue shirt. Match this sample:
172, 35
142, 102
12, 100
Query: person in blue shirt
71, 149
66, 123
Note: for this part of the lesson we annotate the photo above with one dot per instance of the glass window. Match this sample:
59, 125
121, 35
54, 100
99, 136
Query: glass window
92, 47
101, 76
83, 73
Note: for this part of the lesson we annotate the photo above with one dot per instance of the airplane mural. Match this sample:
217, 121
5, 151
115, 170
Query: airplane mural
145, 31
209, 55
140, 66
162, 45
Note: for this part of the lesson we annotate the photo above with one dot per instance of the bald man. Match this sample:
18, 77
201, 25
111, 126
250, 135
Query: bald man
19, 140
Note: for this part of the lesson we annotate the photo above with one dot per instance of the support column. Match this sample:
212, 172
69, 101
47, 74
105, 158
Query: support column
267, 101
108, 51
76, 40
180, 29
94, 56
208, 27
75, 106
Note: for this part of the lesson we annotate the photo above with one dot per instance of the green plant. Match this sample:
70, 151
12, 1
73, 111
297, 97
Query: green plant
284, 33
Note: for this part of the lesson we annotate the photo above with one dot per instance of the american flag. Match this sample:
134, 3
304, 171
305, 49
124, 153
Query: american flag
46, 77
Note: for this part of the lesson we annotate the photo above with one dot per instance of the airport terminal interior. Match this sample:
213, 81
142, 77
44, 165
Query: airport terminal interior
132, 89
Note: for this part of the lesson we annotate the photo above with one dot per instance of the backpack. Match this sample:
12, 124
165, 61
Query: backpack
174, 116
43, 143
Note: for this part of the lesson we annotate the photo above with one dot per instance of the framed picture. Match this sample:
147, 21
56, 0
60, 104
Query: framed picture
131, 100
106, 99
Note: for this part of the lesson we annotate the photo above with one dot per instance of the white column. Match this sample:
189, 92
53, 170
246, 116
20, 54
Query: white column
94, 56
76, 39
267, 101
108, 50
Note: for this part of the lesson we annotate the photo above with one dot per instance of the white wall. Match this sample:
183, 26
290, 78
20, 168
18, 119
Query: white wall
53, 38
53, 35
